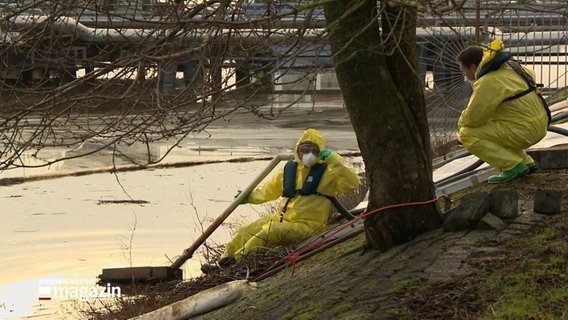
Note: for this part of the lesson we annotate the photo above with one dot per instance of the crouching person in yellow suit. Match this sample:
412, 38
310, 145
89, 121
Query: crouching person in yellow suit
505, 114
304, 208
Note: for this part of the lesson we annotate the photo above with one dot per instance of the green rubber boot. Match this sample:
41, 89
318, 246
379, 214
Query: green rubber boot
509, 175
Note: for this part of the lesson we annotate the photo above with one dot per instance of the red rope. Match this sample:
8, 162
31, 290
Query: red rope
291, 259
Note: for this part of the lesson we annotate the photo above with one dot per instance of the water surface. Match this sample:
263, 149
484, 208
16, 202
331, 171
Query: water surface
66, 230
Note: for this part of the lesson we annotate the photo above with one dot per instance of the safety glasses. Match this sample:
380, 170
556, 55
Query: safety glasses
308, 147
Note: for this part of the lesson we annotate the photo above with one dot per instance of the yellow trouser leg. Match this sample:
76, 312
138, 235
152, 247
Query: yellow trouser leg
494, 154
243, 234
276, 233
499, 147
526, 158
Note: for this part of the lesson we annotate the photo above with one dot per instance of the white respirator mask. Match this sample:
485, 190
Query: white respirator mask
308, 159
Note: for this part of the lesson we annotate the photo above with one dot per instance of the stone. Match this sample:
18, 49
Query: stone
491, 222
504, 203
547, 201
466, 215
550, 158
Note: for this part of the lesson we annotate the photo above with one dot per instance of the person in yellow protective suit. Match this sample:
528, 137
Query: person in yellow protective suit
501, 120
299, 216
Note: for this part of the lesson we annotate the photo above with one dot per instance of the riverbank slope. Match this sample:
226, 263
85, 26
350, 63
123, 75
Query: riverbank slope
518, 273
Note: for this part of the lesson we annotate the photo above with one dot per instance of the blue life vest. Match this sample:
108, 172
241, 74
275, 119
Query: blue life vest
309, 187
310, 184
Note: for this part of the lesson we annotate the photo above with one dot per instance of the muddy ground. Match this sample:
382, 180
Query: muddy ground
437, 276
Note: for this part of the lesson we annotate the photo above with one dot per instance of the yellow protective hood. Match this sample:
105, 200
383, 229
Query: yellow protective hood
489, 52
311, 135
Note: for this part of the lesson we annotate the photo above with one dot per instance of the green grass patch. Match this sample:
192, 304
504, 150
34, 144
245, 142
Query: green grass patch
526, 279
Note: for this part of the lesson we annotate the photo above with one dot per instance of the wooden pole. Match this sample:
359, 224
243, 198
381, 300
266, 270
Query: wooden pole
188, 253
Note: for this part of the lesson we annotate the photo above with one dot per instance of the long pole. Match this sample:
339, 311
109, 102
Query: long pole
188, 253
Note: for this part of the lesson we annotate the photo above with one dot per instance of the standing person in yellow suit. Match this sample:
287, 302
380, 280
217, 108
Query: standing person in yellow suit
505, 115
304, 208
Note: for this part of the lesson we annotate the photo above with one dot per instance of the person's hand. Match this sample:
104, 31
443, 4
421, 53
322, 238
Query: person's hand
244, 201
324, 154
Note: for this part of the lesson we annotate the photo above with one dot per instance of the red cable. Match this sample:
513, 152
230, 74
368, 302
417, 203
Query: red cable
291, 259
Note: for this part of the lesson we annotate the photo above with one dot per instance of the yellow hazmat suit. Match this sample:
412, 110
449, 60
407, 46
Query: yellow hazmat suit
495, 131
305, 215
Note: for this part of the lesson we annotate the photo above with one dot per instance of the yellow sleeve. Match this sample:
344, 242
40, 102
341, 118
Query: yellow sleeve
482, 104
271, 190
343, 177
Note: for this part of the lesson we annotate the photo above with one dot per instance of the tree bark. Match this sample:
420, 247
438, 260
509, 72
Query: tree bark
376, 67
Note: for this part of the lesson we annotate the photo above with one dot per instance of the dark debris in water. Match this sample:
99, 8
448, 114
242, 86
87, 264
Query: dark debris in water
122, 202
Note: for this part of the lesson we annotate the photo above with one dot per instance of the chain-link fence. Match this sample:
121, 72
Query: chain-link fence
536, 33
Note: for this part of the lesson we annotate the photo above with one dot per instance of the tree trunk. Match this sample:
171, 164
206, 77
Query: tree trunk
377, 73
